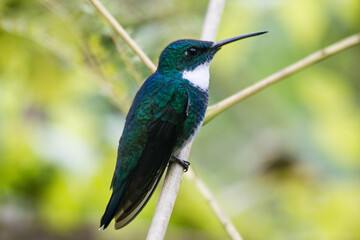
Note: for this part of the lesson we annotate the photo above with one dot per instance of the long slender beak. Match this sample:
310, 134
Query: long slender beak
233, 39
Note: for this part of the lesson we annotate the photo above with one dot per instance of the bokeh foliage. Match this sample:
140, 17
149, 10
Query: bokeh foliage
285, 163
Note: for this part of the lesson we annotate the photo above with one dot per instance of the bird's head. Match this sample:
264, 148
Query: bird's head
188, 54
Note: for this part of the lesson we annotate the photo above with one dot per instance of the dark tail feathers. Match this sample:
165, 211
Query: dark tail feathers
110, 210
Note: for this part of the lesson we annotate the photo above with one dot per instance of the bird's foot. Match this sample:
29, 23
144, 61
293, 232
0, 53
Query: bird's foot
183, 163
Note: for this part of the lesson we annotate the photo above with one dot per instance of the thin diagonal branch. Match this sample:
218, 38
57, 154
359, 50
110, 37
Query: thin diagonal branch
127, 61
121, 31
215, 206
90, 61
313, 58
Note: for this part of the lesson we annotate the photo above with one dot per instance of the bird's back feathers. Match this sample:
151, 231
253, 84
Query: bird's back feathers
149, 137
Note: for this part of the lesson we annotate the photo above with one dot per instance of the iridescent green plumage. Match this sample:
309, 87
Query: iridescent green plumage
160, 119
166, 113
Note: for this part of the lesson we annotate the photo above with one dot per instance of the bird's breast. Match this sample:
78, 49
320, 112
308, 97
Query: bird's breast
198, 104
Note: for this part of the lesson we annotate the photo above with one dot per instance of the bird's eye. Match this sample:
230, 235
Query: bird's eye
191, 51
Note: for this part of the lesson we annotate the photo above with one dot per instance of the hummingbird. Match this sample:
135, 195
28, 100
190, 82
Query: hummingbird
166, 114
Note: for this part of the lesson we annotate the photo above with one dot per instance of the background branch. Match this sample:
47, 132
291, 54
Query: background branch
91, 62
215, 206
212, 19
121, 31
127, 60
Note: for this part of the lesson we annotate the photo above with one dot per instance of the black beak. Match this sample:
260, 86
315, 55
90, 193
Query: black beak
221, 43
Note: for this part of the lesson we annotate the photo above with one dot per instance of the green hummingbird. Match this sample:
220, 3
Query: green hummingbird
165, 116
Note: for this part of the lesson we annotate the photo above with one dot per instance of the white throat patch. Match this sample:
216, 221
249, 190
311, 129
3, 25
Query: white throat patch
199, 76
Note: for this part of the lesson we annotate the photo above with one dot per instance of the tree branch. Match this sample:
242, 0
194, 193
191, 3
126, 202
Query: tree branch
317, 56
212, 19
121, 31
175, 171
214, 205
90, 60
127, 61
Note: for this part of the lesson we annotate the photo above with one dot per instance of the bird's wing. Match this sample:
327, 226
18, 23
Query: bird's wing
135, 181
169, 112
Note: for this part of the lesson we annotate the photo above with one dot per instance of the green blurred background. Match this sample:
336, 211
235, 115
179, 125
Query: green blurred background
284, 164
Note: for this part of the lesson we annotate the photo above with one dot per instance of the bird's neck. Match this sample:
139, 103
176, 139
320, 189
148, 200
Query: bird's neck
198, 76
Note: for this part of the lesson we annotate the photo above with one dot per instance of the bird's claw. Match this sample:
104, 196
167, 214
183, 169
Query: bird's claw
183, 163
